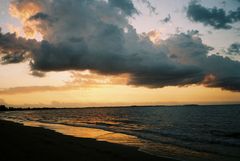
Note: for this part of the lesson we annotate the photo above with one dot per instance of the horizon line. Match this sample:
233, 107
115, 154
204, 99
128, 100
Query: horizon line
120, 106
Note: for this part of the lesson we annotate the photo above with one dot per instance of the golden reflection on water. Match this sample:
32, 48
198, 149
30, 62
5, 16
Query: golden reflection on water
84, 132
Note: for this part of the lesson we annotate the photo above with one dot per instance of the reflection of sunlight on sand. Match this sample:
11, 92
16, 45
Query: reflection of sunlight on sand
83, 132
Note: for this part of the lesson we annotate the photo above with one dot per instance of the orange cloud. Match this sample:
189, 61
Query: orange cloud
23, 11
154, 36
87, 78
83, 79
33, 89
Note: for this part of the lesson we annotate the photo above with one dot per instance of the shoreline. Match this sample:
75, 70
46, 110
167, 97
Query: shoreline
19, 142
22, 108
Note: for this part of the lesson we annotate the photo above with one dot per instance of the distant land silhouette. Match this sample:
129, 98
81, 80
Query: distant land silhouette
5, 108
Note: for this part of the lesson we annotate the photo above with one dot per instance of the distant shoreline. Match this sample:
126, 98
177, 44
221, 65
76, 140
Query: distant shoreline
5, 108
25, 143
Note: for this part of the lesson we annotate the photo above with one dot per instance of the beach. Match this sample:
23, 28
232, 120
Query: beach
23, 143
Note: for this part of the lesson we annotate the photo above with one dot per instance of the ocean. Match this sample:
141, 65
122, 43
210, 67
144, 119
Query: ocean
191, 133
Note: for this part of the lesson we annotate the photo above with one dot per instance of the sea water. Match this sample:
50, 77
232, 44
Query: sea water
180, 132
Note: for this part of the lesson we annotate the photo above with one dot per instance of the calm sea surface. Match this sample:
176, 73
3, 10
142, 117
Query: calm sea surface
181, 132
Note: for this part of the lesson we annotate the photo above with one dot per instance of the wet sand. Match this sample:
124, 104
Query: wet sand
23, 143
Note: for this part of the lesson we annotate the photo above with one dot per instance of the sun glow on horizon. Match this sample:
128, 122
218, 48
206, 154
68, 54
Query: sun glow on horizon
118, 95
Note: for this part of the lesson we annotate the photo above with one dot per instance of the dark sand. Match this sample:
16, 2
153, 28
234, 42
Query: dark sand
22, 143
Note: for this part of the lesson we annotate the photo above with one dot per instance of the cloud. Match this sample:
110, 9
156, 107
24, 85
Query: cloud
96, 35
89, 79
38, 73
215, 17
23, 10
234, 49
14, 49
80, 80
232, 52
193, 32
166, 19
39, 16
125, 5
154, 36
33, 89
224, 71
150, 6
237, 1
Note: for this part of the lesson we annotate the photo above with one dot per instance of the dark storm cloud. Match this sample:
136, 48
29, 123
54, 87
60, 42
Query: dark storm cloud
215, 17
232, 83
226, 73
13, 49
94, 35
11, 43
164, 76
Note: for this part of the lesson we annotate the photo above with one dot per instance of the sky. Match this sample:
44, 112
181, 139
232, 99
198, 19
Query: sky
71, 53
